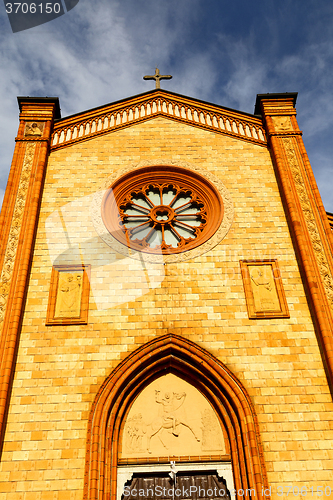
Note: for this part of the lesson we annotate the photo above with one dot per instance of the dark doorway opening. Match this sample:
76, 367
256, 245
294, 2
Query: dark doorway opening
184, 485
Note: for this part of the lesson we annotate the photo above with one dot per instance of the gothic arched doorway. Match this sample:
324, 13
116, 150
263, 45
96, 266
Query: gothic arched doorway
194, 366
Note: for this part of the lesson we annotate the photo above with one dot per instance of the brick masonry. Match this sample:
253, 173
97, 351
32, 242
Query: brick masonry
60, 368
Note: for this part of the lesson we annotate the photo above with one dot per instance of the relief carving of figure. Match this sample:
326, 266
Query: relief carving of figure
69, 295
211, 440
136, 429
33, 129
263, 287
282, 123
170, 417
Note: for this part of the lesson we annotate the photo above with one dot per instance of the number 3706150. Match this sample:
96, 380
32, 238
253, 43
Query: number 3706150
33, 8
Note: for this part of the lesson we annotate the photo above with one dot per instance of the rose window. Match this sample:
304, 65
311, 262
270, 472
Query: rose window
162, 210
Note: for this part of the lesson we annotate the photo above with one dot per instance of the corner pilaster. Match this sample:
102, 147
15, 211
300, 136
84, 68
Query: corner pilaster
18, 223
308, 220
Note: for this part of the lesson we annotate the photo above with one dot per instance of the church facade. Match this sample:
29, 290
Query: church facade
166, 305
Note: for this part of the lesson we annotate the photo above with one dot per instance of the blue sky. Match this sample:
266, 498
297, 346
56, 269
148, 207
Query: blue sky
219, 51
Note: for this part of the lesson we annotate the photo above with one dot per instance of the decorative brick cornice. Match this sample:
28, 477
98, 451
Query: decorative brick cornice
150, 105
30, 105
282, 102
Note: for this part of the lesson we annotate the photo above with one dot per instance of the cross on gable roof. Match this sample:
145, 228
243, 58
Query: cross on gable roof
157, 77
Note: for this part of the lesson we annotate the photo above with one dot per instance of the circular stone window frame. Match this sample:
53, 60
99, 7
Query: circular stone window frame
97, 207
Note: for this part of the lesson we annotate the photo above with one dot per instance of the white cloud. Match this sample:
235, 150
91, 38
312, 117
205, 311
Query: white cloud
324, 176
99, 52
2, 193
95, 54
308, 71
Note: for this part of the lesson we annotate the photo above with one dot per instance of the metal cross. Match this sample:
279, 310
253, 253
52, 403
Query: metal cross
157, 77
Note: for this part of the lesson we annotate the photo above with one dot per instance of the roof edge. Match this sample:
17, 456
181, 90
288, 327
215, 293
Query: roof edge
55, 100
151, 92
278, 95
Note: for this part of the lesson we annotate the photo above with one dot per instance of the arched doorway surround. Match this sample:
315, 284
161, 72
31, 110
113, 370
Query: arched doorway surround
174, 354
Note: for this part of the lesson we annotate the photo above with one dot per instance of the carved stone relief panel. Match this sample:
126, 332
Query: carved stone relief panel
170, 417
69, 295
263, 289
34, 129
282, 123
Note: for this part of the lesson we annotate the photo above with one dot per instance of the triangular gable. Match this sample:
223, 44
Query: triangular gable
149, 105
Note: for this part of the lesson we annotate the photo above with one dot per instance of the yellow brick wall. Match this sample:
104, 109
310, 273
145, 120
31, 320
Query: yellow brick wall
60, 368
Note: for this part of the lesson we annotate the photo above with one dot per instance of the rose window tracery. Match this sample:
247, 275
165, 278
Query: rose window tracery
162, 210
163, 215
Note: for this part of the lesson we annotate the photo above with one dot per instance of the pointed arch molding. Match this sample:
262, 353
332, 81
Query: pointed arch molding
171, 353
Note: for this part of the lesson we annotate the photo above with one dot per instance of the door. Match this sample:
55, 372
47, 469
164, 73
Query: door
185, 485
